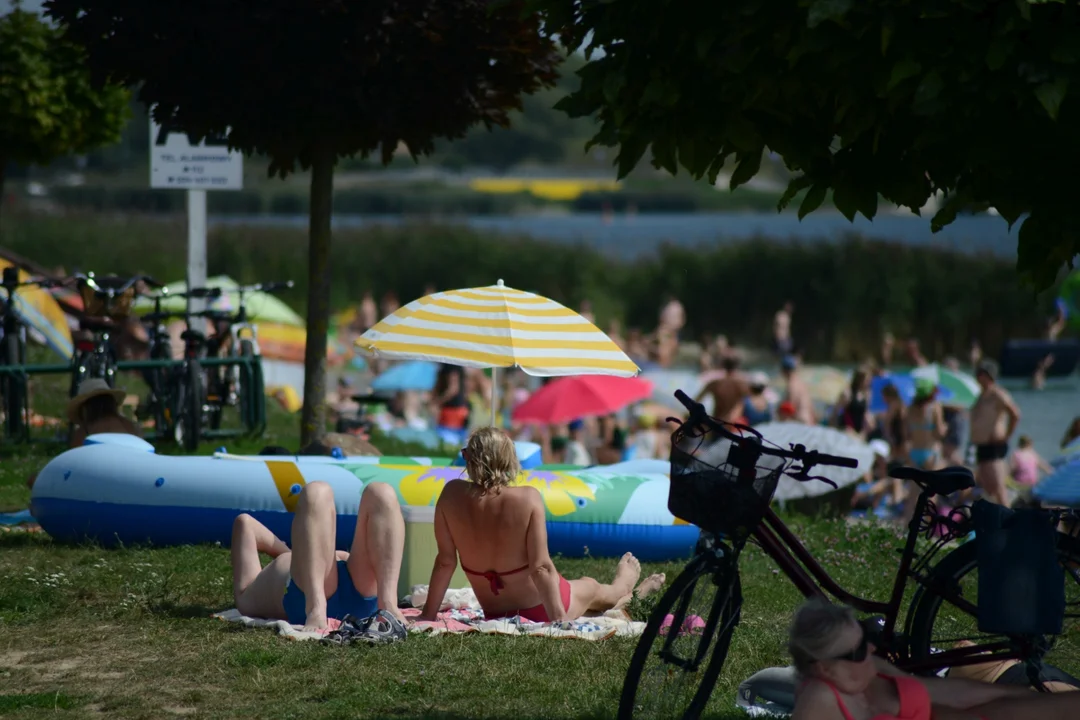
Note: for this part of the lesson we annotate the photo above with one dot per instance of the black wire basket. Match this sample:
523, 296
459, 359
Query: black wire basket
706, 490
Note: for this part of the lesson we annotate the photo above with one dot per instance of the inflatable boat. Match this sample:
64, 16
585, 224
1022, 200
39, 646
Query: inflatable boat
116, 489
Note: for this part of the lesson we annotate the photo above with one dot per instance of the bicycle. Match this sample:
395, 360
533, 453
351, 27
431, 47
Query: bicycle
185, 383
106, 300
729, 501
238, 384
159, 348
13, 383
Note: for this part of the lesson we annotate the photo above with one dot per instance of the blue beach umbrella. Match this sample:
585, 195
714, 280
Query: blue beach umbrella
1061, 487
1068, 453
904, 384
413, 375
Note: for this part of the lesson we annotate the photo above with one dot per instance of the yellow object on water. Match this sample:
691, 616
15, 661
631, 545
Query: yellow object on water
421, 550
550, 188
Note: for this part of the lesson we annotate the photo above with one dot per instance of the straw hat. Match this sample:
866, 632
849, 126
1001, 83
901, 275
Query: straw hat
89, 389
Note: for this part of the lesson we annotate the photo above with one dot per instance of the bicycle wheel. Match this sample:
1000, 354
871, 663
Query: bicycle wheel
187, 426
937, 624
668, 675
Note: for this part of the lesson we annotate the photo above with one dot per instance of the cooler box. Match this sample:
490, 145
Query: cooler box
420, 551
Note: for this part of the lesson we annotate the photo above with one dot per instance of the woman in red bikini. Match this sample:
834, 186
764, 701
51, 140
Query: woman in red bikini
843, 680
500, 534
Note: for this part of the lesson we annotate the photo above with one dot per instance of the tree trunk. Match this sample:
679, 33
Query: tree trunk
3, 166
313, 415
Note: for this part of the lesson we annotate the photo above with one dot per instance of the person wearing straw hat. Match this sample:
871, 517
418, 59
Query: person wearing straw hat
96, 409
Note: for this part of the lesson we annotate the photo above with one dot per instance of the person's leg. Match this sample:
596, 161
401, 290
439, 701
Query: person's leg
378, 544
258, 591
249, 538
990, 476
314, 560
1044, 706
586, 594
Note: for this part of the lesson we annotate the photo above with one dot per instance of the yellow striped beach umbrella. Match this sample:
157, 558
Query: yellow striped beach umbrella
497, 327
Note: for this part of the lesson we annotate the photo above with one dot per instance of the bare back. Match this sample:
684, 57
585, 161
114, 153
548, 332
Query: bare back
496, 532
729, 395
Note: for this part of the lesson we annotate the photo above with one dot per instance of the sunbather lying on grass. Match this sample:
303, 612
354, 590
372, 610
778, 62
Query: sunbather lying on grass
312, 582
500, 534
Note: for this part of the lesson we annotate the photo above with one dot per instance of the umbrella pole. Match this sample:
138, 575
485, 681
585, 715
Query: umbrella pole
494, 394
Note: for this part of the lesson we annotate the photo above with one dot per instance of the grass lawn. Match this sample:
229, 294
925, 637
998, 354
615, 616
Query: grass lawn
126, 633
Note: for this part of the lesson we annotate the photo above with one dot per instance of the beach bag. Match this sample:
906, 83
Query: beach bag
1021, 580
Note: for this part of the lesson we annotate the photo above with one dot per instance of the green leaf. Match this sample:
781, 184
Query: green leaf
663, 152
822, 10
749, 164
814, 197
795, 186
886, 34
947, 214
846, 199
997, 54
1051, 94
630, 151
903, 70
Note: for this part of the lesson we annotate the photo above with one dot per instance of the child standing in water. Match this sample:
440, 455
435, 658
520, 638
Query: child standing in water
1026, 463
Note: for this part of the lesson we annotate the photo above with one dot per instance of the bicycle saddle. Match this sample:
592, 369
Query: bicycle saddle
939, 482
193, 335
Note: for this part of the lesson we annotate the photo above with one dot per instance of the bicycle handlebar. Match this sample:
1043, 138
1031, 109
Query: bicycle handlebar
114, 285
269, 287
798, 453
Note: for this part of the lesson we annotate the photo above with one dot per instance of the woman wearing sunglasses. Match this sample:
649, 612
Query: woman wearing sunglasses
841, 679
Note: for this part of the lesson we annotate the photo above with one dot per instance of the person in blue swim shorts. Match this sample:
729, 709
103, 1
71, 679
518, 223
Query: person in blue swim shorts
312, 581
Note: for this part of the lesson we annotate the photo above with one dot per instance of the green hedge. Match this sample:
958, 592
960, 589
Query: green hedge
846, 292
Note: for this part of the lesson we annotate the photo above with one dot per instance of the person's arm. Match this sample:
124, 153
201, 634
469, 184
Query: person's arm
1043, 465
939, 421
445, 562
958, 693
541, 567
453, 387
1011, 410
814, 701
703, 392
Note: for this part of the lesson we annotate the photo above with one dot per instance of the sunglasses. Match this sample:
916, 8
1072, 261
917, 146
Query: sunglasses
858, 654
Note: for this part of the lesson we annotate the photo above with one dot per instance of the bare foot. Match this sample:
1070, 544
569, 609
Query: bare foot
647, 587
627, 573
650, 585
315, 622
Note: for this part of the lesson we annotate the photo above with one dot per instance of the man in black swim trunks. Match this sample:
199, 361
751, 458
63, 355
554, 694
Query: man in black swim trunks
994, 418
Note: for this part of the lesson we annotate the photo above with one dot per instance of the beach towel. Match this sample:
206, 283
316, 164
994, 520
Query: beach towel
461, 614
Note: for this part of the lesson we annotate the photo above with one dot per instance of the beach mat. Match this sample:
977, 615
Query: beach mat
461, 614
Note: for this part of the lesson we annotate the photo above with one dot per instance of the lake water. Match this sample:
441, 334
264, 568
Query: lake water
1046, 414
629, 237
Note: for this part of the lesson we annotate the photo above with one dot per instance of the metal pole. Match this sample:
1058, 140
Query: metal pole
494, 395
196, 258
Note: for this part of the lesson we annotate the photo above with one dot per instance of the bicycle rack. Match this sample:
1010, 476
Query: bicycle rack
253, 415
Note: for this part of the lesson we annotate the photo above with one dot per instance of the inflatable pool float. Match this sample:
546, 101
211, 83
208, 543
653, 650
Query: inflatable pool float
116, 489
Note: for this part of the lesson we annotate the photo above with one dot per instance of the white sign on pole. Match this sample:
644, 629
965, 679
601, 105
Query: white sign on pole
176, 163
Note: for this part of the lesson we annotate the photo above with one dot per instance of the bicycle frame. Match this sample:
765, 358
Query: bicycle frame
811, 579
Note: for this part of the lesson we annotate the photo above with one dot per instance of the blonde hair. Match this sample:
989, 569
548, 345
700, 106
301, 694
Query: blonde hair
491, 459
813, 631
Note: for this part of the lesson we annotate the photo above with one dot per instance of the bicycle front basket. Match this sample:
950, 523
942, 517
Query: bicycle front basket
706, 491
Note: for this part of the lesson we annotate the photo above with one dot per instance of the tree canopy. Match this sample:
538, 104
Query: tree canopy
50, 108
896, 99
306, 82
